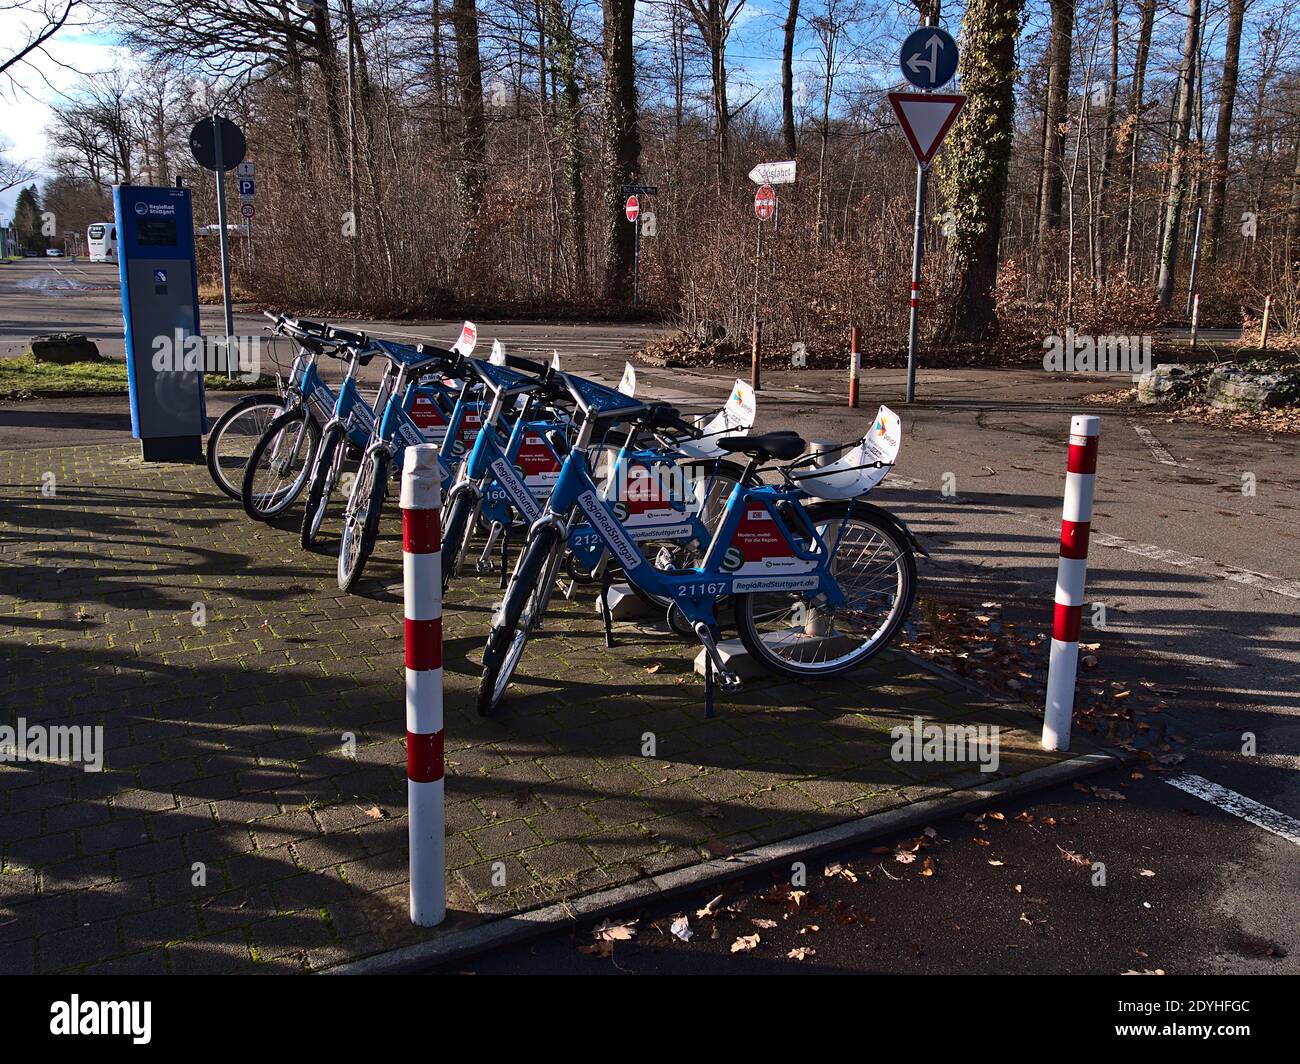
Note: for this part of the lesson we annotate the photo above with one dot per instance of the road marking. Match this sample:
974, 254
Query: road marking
1259, 581
1157, 448
1262, 816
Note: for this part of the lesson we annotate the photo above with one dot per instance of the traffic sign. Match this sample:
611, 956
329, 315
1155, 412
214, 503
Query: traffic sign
928, 58
246, 169
632, 208
640, 190
926, 119
247, 187
781, 173
203, 144
247, 210
765, 202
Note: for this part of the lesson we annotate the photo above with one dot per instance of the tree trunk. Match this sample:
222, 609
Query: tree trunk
471, 173
1104, 179
1292, 244
439, 92
1058, 95
622, 144
1178, 174
1135, 120
327, 58
564, 50
976, 161
787, 81
1223, 131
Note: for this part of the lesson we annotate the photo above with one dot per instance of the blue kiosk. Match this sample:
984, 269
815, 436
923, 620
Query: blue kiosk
160, 309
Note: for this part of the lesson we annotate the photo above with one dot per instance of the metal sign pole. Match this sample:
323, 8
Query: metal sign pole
636, 256
913, 328
755, 377
225, 248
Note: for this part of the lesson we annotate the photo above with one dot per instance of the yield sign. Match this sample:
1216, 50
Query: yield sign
926, 119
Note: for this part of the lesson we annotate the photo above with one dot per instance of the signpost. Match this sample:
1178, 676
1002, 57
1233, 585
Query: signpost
218, 144
925, 119
764, 208
632, 208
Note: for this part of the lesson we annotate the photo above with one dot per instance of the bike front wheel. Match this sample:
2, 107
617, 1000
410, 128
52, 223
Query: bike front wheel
796, 634
234, 436
522, 609
280, 464
456, 534
361, 519
324, 475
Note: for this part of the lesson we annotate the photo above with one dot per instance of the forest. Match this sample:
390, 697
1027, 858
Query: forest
449, 157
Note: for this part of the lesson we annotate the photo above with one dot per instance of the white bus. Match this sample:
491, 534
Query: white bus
101, 242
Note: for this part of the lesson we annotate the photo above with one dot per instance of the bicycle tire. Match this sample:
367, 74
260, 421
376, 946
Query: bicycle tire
455, 535
220, 432
372, 481
761, 650
266, 506
505, 644
320, 487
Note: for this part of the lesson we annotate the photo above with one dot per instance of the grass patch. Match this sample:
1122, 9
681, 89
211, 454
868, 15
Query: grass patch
24, 377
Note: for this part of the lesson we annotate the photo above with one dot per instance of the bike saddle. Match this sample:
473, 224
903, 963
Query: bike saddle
780, 446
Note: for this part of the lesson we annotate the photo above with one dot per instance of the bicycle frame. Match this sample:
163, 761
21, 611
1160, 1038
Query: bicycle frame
725, 569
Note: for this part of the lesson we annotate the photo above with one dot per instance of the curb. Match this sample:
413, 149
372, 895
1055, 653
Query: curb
457, 945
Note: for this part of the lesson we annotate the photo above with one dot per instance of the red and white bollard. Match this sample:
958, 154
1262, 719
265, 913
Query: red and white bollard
422, 609
1076, 521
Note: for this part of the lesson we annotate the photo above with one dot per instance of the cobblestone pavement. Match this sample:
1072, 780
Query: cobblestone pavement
250, 811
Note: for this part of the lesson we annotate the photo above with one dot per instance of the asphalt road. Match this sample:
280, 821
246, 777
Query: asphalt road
1200, 580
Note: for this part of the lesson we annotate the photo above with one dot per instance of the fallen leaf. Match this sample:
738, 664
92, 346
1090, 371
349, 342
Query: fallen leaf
1145, 971
763, 922
996, 864
801, 953
375, 813
1146, 872
655, 667
711, 909
744, 944
610, 932
839, 871
904, 858
927, 867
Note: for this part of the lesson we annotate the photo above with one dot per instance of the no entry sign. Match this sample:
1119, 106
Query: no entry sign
765, 202
632, 208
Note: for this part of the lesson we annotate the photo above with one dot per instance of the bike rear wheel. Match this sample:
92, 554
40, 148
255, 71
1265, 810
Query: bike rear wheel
280, 464
361, 519
794, 634
524, 602
233, 437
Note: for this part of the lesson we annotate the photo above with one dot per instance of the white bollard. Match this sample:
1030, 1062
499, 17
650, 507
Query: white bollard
422, 609
1076, 521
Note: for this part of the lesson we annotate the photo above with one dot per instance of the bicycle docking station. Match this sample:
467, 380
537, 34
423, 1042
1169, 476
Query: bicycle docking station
160, 304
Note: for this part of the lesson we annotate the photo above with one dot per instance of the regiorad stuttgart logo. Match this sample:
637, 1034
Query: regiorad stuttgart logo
887, 429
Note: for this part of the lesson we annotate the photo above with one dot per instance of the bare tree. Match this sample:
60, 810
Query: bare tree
1180, 163
787, 79
41, 20
472, 170
714, 20
1055, 119
1223, 130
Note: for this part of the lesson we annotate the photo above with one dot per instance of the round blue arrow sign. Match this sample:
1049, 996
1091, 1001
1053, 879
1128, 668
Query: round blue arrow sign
928, 59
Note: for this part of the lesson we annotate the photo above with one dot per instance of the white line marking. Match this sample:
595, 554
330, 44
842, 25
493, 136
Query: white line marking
1259, 581
1262, 816
1157, 448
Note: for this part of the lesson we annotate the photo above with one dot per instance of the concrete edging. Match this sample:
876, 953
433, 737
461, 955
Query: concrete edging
457, 945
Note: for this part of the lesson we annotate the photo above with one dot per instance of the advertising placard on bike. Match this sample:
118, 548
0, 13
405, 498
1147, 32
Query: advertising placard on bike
761, 548
736, 417
431, 421
468, 338
498, 356
537, 463
628, 384
847, 478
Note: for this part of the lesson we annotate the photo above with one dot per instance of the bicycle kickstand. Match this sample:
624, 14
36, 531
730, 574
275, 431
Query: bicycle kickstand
505, 555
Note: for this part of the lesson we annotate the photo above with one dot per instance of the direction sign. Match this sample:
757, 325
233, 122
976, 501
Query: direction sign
246, 169
926, 119
247, 210
765, 202
203, 144
632, 208
781, 173
640, 190
928, 58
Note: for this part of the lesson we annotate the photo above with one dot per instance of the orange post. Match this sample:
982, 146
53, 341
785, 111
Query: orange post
853, 367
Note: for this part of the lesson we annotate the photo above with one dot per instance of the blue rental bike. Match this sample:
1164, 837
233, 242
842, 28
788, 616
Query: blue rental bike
351, 427
819, 579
